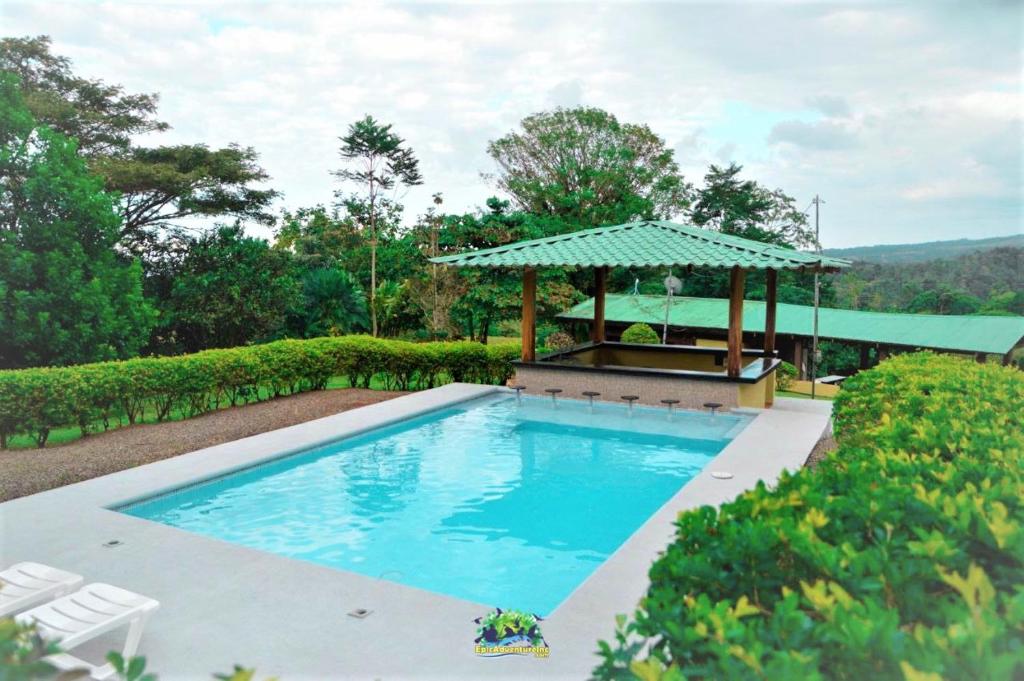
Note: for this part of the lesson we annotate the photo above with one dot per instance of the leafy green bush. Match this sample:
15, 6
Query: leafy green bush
23, 652
901, 556
36, 401
640, 333
784, 376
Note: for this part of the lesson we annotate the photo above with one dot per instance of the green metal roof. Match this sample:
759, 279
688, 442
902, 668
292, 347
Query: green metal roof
996, 335
643, 244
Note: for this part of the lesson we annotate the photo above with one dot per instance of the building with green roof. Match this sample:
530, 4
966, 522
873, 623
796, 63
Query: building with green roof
689, 318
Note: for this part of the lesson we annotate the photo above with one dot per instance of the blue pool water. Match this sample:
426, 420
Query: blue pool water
504, 504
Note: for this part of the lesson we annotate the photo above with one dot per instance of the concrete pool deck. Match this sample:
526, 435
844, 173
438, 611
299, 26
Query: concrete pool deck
223, 603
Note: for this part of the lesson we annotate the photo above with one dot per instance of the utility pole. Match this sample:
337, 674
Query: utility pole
668, 306
435, 223
817, 297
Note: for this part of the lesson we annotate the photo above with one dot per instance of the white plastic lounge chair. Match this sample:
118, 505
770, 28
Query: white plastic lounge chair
89, 612
24, 585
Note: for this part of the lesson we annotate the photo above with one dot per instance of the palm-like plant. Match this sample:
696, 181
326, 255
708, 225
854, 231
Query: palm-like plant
333, 303
391, 303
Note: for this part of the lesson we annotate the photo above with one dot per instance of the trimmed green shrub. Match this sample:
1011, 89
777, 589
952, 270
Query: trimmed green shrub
35, 401
640, 333
785, 375
901, 556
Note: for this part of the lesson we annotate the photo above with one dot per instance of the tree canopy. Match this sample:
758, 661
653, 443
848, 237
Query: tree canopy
158, 187
744, 208
988, 282
161, 186
379, 159
586, 168
488, 295
66, 296
101, 117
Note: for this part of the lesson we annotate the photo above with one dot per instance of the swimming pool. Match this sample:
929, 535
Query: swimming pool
506, 504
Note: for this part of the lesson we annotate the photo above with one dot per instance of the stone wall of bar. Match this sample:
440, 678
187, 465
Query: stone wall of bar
691, 393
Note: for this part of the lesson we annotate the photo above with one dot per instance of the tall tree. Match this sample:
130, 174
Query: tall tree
66, 296
743, 207
585, 167
101, 117
159, 187
378, 159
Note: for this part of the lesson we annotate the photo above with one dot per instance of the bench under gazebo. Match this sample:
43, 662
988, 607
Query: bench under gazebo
733, 376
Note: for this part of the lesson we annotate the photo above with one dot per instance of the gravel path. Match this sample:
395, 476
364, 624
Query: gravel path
27, 471
825, 445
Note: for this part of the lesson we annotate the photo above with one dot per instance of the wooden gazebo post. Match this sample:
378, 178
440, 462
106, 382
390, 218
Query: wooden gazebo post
770, 299
600, 286
733, 359
528, 330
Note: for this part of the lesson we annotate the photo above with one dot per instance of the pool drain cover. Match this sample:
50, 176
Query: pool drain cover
721, 475
359, 613
112, 543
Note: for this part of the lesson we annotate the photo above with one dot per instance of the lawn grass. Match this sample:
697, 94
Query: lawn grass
801, 396
504, 340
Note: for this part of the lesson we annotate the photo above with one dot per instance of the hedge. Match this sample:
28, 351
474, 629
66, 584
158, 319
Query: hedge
901, 556
35, 401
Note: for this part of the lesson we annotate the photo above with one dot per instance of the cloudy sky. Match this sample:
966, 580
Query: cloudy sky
906, 118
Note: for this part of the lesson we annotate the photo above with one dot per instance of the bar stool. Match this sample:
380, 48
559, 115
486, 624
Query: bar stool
713, 406
631, 399
671, 403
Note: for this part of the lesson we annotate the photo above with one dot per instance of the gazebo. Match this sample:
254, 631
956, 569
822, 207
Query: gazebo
689, 374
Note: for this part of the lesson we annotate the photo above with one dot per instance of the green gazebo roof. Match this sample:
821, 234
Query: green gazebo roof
644, 244
963, 333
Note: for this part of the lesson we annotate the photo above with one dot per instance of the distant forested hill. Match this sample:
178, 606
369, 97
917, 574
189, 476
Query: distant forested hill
979, 282
932, 250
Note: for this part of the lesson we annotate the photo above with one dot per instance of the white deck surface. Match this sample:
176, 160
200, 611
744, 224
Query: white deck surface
223, 604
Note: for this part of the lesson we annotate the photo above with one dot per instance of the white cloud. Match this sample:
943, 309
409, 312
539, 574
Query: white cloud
992, 104
816, 135
830, 105
907, 118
